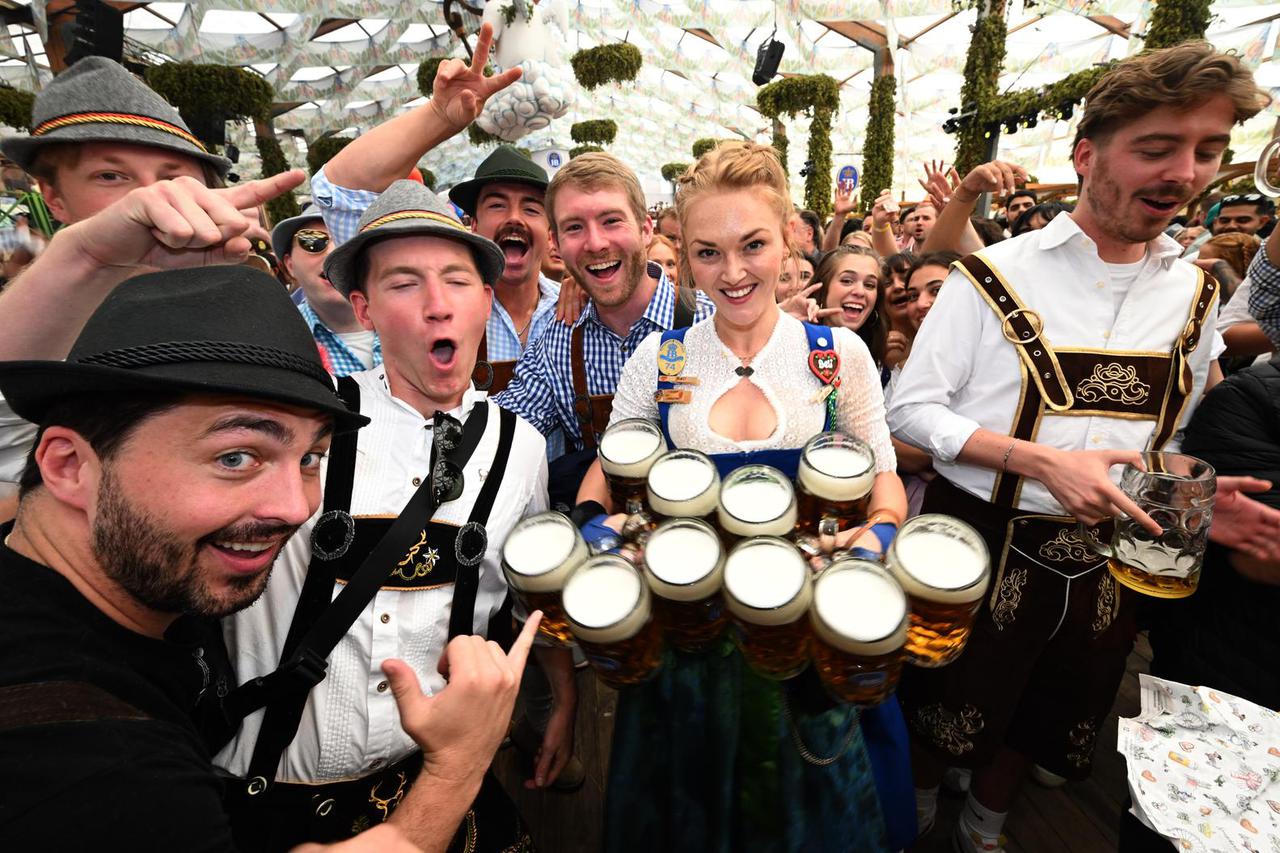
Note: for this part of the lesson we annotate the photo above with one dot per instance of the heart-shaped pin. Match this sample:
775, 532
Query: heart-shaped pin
825, 365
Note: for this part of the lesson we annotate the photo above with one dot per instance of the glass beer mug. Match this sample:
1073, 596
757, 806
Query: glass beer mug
627, 451
1177, 491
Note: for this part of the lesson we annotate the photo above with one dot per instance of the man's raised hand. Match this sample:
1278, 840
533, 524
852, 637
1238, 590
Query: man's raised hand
460, 90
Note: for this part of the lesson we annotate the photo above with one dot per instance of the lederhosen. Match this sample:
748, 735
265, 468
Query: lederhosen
1049, 645
491, 376
276, 816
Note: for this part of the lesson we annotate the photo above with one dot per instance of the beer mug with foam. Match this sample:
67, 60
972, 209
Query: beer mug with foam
943, 566
539, 555
859, 619
756, 500
683, 484
684, 565
833, 483
608, 605
768, 589
1177, 491
627, 450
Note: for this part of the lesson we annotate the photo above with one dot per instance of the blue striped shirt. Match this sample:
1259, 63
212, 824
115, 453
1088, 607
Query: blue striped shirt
342, 361
542, 391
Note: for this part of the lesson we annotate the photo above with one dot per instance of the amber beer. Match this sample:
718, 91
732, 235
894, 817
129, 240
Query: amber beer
859, 619
1154, 569
768, 590
834, 483
539, 555
684, 565
756, 500
944, 568
627, 451
683, 484
608, 605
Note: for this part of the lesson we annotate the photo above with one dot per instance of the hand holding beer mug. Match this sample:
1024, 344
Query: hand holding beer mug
944, 568
859, 619
539, 555
833, 485
684, 565
608, 605
756, 500
769, 588
1177, 491
628, 450
683, 484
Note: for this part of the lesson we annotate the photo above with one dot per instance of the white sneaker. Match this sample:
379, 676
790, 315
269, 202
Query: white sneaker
956, 779
964, 840
1047, 778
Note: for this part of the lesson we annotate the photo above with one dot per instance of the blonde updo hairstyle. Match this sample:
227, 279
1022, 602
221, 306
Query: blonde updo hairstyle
729, 167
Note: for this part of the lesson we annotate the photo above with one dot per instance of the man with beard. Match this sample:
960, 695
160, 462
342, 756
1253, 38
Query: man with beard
1049, 359
179, 448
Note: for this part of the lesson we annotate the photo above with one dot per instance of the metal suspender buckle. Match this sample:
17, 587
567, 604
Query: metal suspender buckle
1032, 323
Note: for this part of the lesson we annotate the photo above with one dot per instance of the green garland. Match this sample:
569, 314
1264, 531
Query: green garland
509, 13
599, 131
583, 149
15, 107
877, 147
780, 142
273, 163
480, 137
672, 171
212, 91
324, 149
818, 95
981, 77
607, 63
702, 146
1175, 21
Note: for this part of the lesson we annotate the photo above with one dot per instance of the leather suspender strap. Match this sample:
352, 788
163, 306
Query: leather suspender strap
1181, 377
284, 692
1021, 327
581, 399
472, 537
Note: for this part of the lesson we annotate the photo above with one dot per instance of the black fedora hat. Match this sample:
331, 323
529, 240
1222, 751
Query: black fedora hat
505, 165
218, 330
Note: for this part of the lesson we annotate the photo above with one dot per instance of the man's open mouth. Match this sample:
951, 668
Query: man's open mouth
444, 352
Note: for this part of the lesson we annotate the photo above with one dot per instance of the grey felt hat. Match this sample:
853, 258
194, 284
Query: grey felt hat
97, 100
282, 234
505, 165
407, 208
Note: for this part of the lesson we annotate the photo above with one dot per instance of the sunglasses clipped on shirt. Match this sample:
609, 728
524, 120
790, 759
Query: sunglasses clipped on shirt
311, 241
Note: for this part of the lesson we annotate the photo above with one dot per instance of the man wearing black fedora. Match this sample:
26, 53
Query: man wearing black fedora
180, 449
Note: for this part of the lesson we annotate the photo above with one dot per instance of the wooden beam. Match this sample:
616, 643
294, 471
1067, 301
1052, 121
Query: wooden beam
702, 34
1028, 22
931, 27
329, 25
1112, 24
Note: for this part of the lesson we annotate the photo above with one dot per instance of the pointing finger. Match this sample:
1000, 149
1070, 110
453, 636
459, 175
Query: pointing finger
258, 192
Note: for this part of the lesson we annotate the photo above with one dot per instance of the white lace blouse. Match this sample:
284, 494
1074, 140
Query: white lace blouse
781, 372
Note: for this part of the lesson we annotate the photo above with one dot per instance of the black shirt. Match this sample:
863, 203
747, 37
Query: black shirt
142, 780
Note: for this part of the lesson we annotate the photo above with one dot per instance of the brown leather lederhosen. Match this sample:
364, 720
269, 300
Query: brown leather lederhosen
1049, 644
593, 410
491, 376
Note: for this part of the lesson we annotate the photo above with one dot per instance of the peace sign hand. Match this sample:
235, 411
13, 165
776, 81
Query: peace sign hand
460, 90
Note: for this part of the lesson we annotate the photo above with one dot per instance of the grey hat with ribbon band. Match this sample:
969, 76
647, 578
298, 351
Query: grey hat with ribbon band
97, 100
282, 235
506, 165
406, 209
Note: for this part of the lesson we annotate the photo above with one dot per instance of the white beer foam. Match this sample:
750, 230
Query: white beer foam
603, 600
676, 480
757, 507
938, 567
766, 581
685, 556
629, 451
860, 609
837, 473
541, 551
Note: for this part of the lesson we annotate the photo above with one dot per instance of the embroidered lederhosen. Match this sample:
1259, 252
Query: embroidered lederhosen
290, 814
491, 376
593, 410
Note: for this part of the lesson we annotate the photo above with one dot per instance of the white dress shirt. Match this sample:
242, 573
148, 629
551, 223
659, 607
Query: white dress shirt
963, 375
16, 438
351, 726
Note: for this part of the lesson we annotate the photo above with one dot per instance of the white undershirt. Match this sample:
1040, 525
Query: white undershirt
361, 345
1122, 278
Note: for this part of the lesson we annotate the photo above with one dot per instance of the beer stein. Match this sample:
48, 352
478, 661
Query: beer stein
1177, 491
943, 566
768, 588
684, 565
683, 484
833, 485
756, 500
539, 555
627, 451
859, 619
608, 605
1262, 170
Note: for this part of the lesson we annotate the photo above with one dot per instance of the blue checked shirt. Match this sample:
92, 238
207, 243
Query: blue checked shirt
501, 335
342, 361
1264, 294
542, 391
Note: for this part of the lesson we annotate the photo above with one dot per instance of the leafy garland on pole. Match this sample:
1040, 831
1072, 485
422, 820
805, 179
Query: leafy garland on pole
325, 149
981, 78
15, 107
1175, 21
818, 96
877, 147
212, 91
607, 63
672, 171
780, 142
583, 149
599, 131
702, 146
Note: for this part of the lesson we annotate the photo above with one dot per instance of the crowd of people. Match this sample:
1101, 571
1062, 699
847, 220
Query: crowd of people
251, 586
